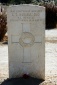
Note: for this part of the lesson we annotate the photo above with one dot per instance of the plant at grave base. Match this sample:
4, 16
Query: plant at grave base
26, 76
3, 25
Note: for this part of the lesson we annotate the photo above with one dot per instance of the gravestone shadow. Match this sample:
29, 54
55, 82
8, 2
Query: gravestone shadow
22, 81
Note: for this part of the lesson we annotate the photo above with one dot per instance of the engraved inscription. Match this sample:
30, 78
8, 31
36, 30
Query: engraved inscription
25, 15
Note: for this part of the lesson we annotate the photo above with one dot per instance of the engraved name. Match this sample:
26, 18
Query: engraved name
24, 15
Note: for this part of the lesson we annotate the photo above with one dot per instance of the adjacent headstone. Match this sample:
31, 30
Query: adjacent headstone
0, 9
26, 36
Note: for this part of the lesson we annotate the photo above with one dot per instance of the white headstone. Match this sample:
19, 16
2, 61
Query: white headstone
0, 9
26, 36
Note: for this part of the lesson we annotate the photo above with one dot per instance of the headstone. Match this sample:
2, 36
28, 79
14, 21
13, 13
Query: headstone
0, 9
26, 38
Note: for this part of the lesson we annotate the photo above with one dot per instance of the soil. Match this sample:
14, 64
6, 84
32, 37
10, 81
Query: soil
50, 61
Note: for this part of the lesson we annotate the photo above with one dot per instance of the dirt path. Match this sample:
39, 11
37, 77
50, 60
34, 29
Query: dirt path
51, 53
3, 62
50, 58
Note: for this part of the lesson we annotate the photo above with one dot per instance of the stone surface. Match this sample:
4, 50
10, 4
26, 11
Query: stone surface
0, 8
26, 34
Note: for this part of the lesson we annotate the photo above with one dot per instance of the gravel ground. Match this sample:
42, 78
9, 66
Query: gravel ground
50, 58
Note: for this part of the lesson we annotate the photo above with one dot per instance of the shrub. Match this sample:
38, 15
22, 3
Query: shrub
51, 16
3, 25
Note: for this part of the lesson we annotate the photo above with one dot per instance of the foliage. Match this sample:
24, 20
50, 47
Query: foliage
3, 27
29, 1
51, 17
35, 2
16, 1
56, 2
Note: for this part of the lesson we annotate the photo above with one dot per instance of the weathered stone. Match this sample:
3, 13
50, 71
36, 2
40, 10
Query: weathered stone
26, 34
